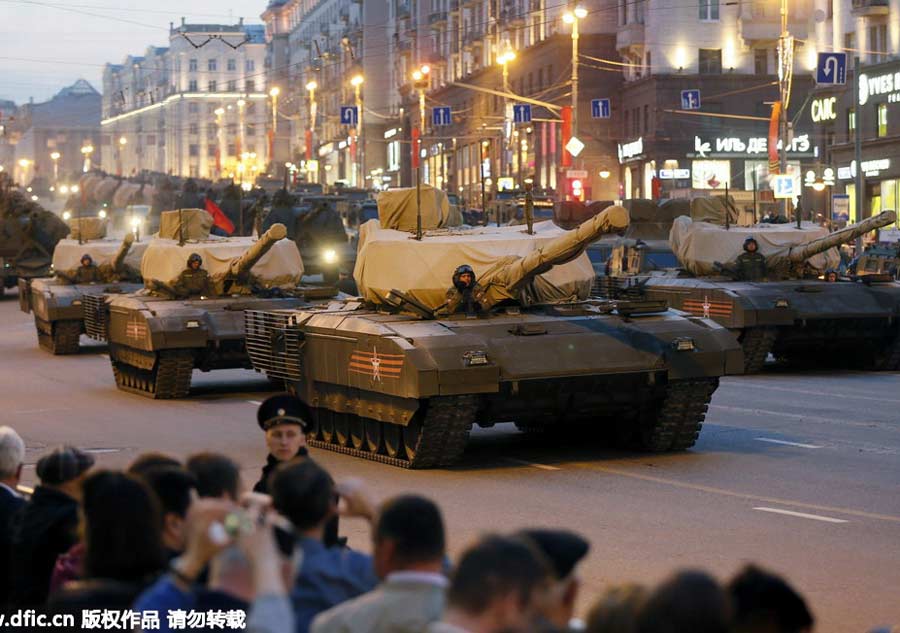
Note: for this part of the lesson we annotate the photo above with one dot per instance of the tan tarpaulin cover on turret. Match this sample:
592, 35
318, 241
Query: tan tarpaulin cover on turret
699, 244
712, 210
649, 221
389, 259
92, 228
397, 209
67, 256
164, 260
197, 224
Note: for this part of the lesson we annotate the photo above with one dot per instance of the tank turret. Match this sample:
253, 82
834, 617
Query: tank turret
240, 266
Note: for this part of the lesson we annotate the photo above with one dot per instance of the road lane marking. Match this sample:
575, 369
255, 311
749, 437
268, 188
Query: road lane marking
26, 411
739, 495
802, 417
811, 392
522, 462
785, 442
255, 402
802, 515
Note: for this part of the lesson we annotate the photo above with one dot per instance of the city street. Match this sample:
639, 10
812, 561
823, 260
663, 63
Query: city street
799, 472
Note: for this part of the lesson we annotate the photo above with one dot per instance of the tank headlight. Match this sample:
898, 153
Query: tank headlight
475, 357
74, 189
34, 198
135, 222
64, 189
192, 324
781, 303
77, 302
102, 214
683, 344
329, 256
52, 188
67, 215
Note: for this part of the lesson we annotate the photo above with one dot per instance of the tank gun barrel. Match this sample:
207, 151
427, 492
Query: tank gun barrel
566, 247
118, 262
802, 253
242, 265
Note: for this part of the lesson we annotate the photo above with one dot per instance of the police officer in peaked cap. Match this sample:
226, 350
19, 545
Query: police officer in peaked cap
284, 419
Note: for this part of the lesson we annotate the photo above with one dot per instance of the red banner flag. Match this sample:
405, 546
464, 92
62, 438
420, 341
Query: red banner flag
566, 114
219, 218
774, 162
415, 148
308, 144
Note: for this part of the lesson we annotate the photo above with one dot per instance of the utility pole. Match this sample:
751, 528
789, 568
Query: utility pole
859, 182
785, 74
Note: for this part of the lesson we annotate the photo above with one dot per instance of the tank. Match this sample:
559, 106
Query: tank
158, 336
59, 302
397, 377
315, 225
793, 313
28, 235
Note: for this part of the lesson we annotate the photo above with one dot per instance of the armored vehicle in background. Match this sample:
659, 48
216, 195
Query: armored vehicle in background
399, 376
28, 235
58, 302
791, 312
158, 336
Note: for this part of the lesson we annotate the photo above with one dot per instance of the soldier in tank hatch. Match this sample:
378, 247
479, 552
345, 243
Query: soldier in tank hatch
749, 265
463, 294
87, 272
194, 280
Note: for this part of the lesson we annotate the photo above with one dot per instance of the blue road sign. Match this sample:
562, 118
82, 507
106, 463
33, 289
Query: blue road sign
690, 99
441, 116
522, 113
600, 108
349, 115
831, 69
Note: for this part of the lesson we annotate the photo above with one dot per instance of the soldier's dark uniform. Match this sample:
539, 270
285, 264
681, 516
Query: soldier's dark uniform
751, 264
91, 273
194, 282
462, 297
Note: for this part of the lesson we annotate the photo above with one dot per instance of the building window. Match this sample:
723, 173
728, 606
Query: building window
250, 130
211, 151
192, 65
627, 120
882, 120
249, 86
648, 65
192, 85
193, 107
639, 12
851, 124
623, 8
540, 78
710, 61
761, 61
709, 10
759, 8
211, 131
232, 64
646, 119
211, 86
250, 108
211, 108
250, 65
232, 85
193, 130
231, 149
849, 41
194, 150
637, 122
211, 65
232, 129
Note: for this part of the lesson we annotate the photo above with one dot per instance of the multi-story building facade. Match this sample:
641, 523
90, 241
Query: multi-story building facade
59, 138
727, 52
198, 108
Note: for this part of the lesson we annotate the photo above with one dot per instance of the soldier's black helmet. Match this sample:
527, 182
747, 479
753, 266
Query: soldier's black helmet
194, 257
86, 256
282, 408
748, 241
459, 272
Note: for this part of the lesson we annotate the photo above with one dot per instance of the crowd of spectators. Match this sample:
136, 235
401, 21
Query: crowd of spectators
169, 537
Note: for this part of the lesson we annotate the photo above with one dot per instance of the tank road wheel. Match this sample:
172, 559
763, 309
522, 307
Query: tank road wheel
326, 425
341, 428
674, 424
61, 337
412, 437
393, 438
373, 436
357, 432
169, 378
756, 342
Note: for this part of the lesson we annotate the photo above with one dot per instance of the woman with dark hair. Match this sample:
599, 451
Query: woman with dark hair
122, 538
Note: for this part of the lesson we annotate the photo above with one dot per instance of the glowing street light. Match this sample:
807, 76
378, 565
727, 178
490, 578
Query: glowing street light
357, 81
572, 17
274, 92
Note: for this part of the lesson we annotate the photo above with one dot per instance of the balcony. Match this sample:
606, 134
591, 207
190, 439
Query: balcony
437, 20
768, 28
510, 18
454, 6
473, 40
869, 8
630, 36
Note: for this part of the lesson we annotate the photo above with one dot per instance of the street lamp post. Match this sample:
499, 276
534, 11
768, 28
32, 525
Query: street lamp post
311, 89
54, 156
420, 81
572, 17
274, 92
87, 150
220, 139
241, 103
357, 82
121, 148
504, 58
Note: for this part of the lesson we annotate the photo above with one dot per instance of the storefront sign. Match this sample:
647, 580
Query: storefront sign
871, 168
391, 133
710, 174
674, 174
886, 84
823, 109
840, 207
326, 149
746, 146
628, 151
889, 235
576, 173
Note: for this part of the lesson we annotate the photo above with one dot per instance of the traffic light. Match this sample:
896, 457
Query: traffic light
575, 189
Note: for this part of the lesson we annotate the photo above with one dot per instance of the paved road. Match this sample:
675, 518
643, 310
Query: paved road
798, 472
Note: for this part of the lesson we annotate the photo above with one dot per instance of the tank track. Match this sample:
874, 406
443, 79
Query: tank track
62, 338
445, 428
675, 425
889, 358
757, 342
170, 377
